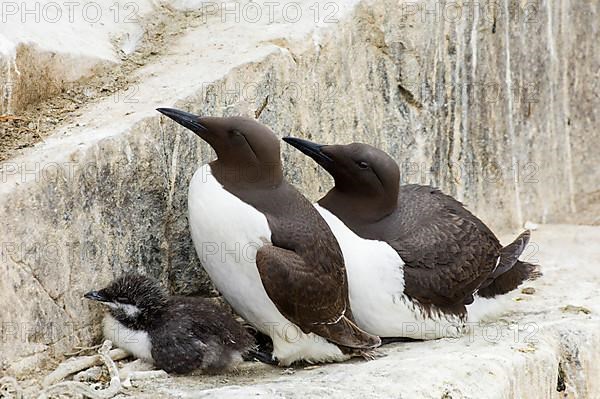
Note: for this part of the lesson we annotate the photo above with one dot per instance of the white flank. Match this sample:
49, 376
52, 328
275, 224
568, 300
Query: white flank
487, 309
376, 289
133, 341
227, 233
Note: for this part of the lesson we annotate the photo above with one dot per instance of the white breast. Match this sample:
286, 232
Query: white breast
137, 343
376, 288
227, 233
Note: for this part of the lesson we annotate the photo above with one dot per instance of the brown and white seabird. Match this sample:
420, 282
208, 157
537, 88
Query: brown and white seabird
445, 254
266, 248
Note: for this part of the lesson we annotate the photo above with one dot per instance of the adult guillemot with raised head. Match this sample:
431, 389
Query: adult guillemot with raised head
265, 247
445, 255
177, 334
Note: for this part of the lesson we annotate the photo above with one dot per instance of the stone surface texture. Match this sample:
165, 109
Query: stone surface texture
45, 47
497, 106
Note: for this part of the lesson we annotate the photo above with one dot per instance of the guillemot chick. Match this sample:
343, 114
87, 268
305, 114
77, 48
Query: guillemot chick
177, 334
265, 247
445, 254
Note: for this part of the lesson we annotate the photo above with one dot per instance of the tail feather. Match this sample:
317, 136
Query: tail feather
510, 253
510, 271
520, 272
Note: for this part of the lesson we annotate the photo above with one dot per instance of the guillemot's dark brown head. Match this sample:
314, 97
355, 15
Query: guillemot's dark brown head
247, 151
366, 179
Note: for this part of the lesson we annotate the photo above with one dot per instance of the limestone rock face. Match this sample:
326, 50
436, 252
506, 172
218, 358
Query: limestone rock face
46, 47
496, 106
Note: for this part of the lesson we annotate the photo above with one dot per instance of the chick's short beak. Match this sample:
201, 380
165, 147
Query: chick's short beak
96, 296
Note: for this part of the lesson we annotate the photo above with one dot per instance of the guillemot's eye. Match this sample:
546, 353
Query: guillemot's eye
123, 300
362, 164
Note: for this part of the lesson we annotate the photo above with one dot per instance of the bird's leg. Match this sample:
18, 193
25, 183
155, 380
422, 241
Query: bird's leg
371, 354
262, 357
393, 340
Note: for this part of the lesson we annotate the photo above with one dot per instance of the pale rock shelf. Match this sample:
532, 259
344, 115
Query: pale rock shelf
496, 108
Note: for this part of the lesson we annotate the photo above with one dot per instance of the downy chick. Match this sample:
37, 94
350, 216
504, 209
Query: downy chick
177, 334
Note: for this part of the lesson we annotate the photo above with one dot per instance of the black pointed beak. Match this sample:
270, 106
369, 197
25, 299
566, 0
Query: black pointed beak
185, 119
313, 150
96, 296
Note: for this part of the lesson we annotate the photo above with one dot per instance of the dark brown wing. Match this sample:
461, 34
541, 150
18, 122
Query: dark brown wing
316, 303
447, 250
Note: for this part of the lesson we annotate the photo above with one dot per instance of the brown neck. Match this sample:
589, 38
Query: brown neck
356, 211
245, 175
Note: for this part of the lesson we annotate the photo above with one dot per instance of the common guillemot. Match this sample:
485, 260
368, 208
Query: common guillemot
445, 255
265, 247
177, 334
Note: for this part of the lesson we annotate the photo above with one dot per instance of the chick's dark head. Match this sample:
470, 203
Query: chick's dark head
132, 298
